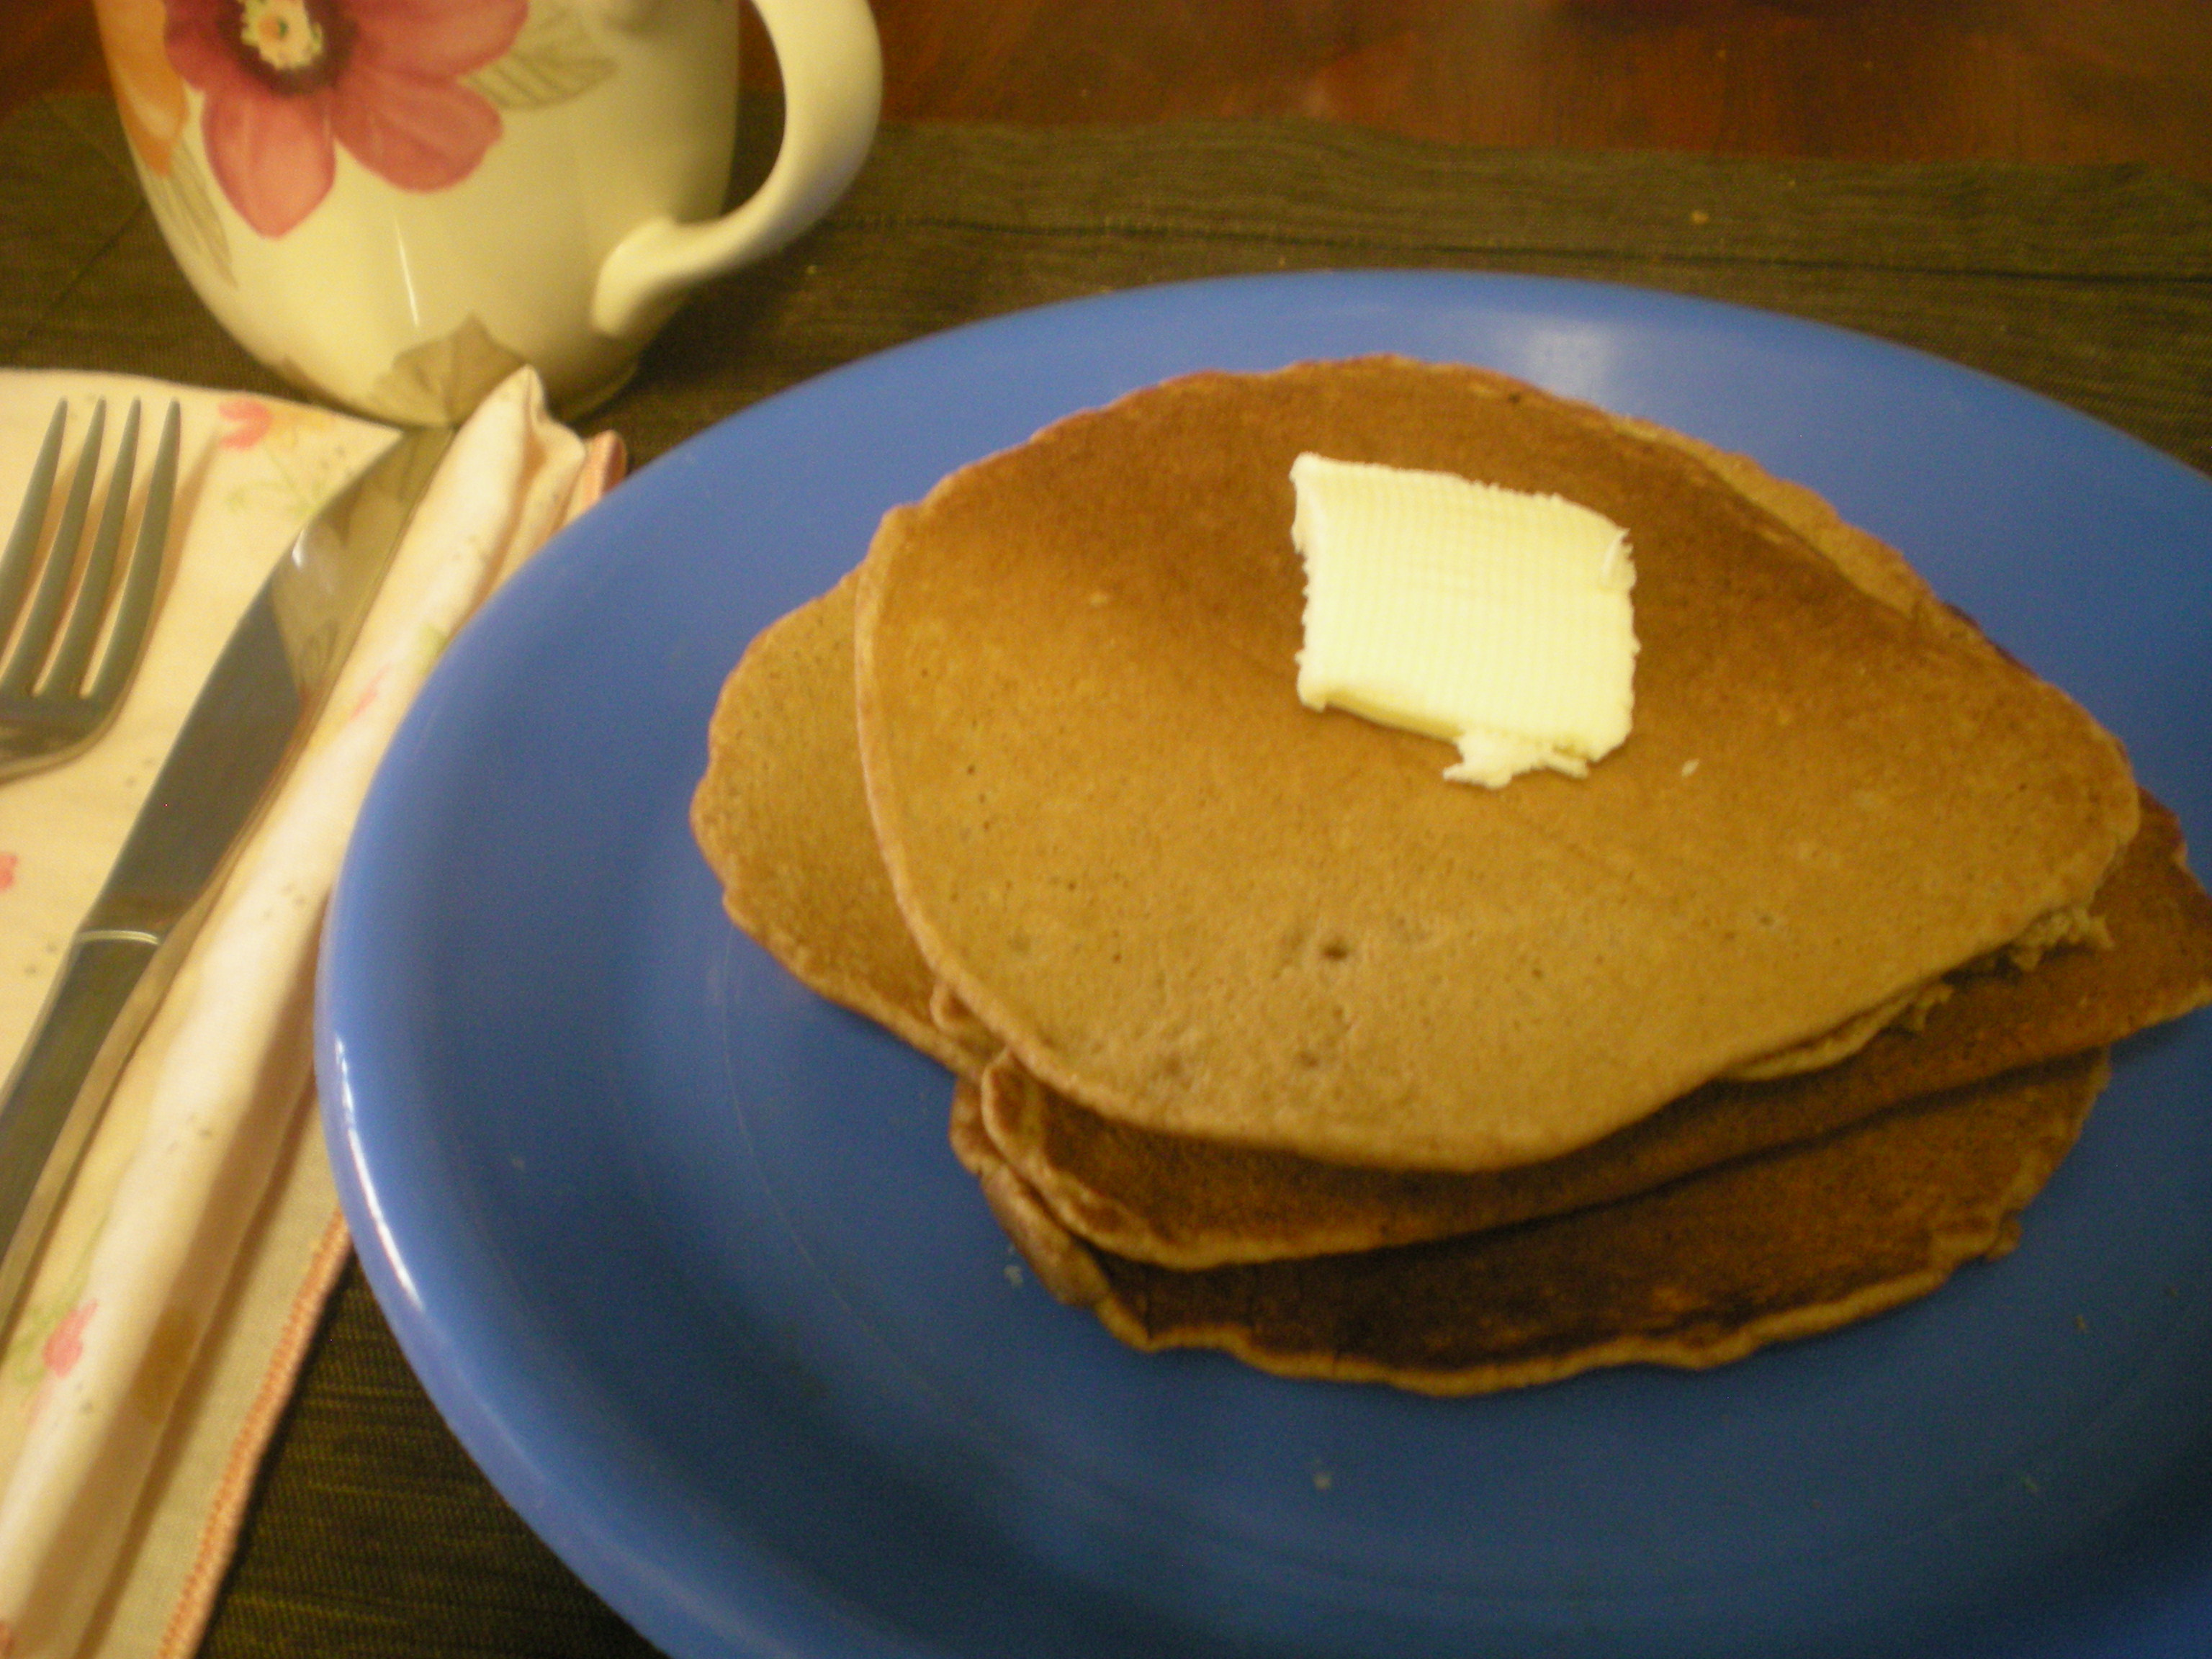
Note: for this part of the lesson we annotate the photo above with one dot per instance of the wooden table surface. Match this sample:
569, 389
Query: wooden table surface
2066, 81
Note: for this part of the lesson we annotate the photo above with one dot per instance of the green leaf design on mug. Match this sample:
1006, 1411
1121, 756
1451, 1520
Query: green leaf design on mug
551, 61
439, 382
182, 199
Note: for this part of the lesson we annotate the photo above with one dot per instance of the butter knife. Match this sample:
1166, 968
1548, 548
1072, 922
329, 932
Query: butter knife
232, 752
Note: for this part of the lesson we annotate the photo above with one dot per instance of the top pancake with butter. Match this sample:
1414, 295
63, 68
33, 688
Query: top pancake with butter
1198, 907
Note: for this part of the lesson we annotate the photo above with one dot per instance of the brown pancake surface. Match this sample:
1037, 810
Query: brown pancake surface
1190, 1204
799, 860
1695, 1274
1200, 909
782, 822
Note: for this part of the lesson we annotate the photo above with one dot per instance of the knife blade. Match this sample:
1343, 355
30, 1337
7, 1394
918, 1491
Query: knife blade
236, 744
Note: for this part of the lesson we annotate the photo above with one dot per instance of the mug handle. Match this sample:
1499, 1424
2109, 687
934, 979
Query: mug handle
833, 81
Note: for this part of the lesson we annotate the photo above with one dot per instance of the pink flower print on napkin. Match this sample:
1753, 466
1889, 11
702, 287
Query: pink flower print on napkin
65, 1344
249, 420
7, 862
288, 82
58, 1357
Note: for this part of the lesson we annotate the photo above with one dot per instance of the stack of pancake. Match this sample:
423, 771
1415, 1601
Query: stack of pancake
1268, 1039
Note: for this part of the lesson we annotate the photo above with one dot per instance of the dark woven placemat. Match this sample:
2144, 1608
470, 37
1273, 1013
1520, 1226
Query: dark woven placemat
372, 1533
2091, 284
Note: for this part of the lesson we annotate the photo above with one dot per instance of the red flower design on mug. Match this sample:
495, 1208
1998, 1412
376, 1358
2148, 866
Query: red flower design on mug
288, 82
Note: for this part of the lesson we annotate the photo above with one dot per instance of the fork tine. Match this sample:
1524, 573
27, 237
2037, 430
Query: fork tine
37, 637
30, 519
143, 575
89, 609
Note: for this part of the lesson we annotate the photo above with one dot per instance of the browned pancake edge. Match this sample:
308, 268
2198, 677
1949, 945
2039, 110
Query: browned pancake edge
1695, 1274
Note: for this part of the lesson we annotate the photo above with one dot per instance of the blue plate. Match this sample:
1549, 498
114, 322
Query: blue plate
680, 1251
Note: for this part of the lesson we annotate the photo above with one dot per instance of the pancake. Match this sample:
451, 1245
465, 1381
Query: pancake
1199, 909
1695, 1274
1739, 1213
781, 820
782, 817
1191, 1204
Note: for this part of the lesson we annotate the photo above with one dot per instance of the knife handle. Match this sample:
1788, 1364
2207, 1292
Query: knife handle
98, 1009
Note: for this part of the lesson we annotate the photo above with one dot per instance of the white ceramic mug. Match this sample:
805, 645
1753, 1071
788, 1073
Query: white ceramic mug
395, 203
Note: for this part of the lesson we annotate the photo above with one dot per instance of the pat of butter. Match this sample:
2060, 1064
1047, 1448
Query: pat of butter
1489, 617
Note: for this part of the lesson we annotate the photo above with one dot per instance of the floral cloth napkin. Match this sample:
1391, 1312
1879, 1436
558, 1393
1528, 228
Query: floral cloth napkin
176, 1294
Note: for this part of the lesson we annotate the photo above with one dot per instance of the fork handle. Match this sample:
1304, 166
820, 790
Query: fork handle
107, 989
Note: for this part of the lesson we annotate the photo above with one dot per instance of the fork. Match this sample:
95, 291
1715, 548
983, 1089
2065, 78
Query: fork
54, 697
